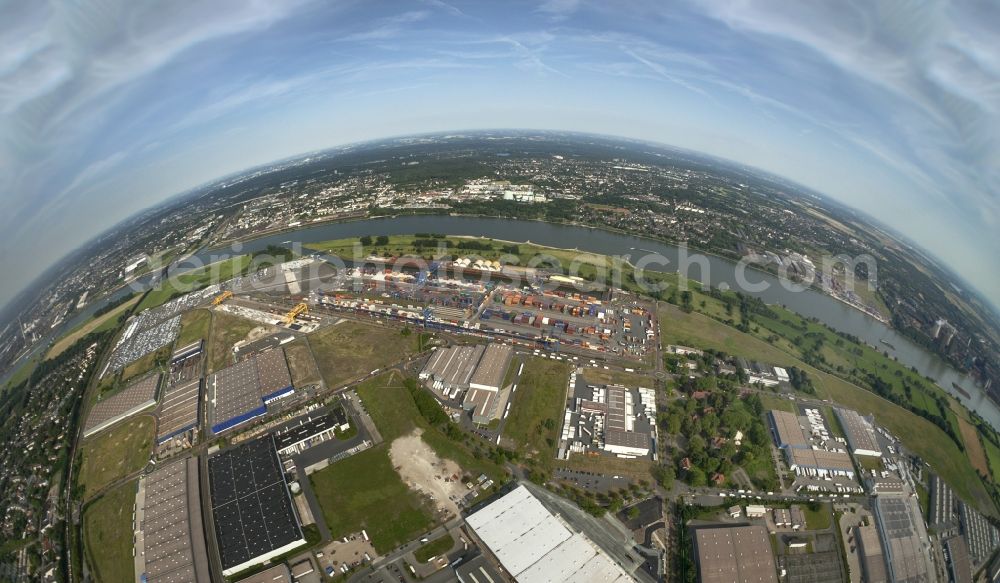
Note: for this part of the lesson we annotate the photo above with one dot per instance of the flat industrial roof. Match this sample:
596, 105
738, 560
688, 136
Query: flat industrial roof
492, 366
821, 459
272, 371
251, 505
906, 558
173, 537
627, 438
534, 545
306, 428
276, 574
135, 397
737, 554
234, 391
179, 409
860, 434
870, 549
788, 431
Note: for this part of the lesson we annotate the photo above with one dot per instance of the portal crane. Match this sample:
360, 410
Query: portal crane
295, 312
222, 297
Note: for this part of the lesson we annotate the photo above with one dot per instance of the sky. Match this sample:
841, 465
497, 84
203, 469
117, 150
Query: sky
109, 107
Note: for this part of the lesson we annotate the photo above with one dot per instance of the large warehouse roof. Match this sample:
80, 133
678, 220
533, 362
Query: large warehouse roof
787, 431
135, 397
492, 367
534, 545
859, 433
738, 554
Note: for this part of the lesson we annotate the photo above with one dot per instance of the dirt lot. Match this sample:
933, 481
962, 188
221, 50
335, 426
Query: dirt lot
424, 471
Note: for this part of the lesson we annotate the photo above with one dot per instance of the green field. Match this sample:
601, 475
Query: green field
536, 410
349, 350
226, 331
146, 363
395, 414
818, 519
301, 363
107, 535
434, 548
365, 492
195, 326
919, 435
177, 285
115, 453
775, 402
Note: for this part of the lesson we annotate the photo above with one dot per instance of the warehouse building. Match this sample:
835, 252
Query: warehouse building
981, 537
276, 574
941, 515
957, 559
170, 540
734, 554
819, 462
492, 368
870, 554
185, 352
450, 369
178, 412
900, 524
536, 546
254, 516
243, 391
137, 396
786, 430
310, 430
859, 432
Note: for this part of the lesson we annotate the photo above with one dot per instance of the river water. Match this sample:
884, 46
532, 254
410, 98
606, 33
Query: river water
712, 270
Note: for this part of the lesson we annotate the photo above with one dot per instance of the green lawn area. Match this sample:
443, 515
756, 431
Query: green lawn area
146, 363
919, 435
349, 350
924, 498
434, 548
395, 414
177, 285
776, 403
107, 533
226, 331
194, 326
115, 453
365, 492
301, 363
836, 429
536, 411
817, 519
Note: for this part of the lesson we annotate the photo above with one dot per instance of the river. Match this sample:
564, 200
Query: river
809, 303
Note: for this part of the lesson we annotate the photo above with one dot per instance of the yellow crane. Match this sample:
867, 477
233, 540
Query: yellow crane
222, 297
295, 312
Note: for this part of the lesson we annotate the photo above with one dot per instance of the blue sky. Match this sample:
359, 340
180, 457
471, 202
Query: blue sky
109, 107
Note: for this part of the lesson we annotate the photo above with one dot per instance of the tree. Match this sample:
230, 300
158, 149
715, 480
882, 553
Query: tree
382, 240
366, 241
696, 477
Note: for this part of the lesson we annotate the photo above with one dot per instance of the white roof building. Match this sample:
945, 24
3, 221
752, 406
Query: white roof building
534, 545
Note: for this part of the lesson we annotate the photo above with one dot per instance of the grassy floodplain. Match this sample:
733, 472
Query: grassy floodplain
226, 331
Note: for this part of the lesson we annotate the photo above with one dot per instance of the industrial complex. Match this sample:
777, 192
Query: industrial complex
169, 539
252, 509
536, 546
734, 554
137, 396
471, 375
242, 391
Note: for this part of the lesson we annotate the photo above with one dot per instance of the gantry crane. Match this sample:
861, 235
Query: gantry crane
222, 297
295, 312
